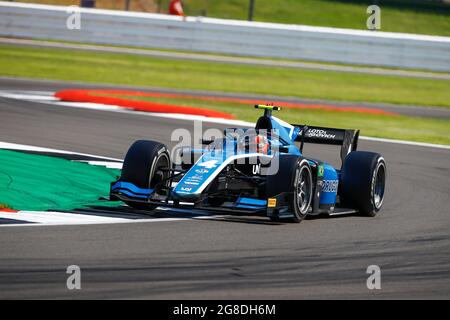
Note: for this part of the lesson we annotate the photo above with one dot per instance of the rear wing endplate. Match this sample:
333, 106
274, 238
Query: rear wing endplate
347, 139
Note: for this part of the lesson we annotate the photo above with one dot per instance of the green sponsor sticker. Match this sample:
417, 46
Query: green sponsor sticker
321, 170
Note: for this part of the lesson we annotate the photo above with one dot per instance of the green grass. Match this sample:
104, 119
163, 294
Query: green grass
407, 19
382, 126
312, 63
60, 64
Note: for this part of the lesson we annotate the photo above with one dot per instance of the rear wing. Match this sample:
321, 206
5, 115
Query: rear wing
347, 139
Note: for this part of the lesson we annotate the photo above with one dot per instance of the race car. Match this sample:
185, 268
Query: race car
259, 170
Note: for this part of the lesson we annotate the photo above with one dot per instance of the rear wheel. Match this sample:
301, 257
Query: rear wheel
303, 190
294, 175
363, 182
145, 166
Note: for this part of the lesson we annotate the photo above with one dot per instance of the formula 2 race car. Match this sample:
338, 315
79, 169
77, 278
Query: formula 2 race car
259, 170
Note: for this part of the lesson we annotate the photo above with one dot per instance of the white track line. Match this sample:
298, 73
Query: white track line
63, 218
107, 164
86, 105
406, 142
51, 218
31, 96
24, 147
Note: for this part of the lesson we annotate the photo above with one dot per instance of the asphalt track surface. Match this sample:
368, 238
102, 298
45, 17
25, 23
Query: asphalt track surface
228, 258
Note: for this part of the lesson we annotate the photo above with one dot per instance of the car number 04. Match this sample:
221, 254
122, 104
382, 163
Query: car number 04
209, 164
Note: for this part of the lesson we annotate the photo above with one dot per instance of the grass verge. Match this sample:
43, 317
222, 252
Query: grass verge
407, 18
60, 64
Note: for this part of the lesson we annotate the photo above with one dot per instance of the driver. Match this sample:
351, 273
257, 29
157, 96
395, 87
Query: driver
262, 143
253, 143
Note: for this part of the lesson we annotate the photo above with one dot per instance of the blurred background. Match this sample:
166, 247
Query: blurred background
412, 16
330, 76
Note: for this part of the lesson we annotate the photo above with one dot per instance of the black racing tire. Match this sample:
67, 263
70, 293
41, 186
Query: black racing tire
363, 181
292, 169
141, 165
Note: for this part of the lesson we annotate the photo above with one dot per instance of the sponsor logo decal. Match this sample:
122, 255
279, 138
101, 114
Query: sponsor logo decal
194, 183
209, 164
319, 133
330, 185
321, 170
256, 169
271, 203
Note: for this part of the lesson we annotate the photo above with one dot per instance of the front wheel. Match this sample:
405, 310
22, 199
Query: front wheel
146, 166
